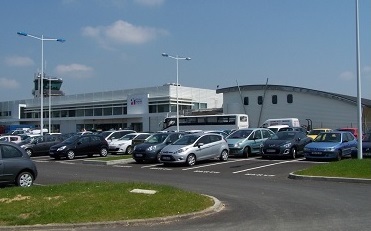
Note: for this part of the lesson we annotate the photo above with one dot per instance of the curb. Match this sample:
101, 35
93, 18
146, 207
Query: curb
333, 179
217, 207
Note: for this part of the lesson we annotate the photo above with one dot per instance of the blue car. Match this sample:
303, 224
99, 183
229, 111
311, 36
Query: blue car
331, 145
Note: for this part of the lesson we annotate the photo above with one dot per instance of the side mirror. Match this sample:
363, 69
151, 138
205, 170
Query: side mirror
199, 144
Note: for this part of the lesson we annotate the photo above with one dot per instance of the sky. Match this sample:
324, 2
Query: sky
117, 44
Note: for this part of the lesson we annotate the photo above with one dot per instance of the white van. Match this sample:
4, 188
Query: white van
290, 122
277, 128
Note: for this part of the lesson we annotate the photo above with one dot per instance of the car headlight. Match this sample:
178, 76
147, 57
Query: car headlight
151, 148
286, 145
181, 150
332, 149
61, 148
237, 145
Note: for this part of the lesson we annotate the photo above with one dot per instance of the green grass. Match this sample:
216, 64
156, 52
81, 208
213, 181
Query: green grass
114, 157
88, 202
350, 168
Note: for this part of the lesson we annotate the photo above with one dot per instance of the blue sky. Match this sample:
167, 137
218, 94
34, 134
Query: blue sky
117, 44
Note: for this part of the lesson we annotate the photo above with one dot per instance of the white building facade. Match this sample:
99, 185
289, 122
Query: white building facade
311, 107
141, 109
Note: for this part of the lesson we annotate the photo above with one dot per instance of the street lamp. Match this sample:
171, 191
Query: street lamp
177, 58
42, 39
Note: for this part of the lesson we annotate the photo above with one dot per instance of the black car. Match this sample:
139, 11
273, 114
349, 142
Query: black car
150, 149
40, 145
80, 145
16, 167
366, 145
285, 144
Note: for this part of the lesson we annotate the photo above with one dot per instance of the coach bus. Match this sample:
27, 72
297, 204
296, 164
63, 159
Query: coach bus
207, 122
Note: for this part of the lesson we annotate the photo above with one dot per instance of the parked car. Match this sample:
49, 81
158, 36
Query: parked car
277, 128
150, 149
40, 145
247, 141
314, 132
78, 145
125, 144
16, 166
366, 145
11, 138
194, 147
114, 135
331, 145
285, 144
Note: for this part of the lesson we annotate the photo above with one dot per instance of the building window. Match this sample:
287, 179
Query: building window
117, 110
260, 100
290, 98
246, 101
97, 111
107, 111
274, 99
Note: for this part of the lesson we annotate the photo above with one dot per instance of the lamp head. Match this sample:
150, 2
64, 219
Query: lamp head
165, 55
22, 33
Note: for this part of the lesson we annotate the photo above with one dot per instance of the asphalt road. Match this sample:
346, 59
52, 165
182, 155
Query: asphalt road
257, 193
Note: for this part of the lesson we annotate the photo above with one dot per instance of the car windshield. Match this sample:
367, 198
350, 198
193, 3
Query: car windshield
105, 133
71, 139
156, 138
186, 140
128, 137
240, 134
328, 137
283, 136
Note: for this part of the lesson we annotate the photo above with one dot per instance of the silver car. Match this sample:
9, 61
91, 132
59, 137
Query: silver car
195, 147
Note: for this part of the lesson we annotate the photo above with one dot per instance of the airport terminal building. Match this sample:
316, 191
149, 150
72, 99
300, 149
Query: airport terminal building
141, 109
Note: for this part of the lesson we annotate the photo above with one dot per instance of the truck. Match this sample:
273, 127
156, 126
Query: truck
291, 122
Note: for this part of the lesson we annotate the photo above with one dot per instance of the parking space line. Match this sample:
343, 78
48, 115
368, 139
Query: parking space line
152, 165
225, 162
264, 166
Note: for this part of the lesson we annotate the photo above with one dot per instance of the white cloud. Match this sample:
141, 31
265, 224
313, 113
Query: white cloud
122, 32
74, 70
18, 61
150, 2
8, 83
347, 75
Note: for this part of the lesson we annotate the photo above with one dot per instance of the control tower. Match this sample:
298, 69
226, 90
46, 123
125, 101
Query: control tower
51, 85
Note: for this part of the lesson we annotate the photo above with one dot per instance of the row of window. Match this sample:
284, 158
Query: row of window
260, 99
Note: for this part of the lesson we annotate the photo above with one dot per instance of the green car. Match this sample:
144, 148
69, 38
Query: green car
247, 141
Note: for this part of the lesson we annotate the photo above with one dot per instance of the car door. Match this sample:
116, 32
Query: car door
82, 146
347, 144
257, 139
302, 140
9, 162
203, 148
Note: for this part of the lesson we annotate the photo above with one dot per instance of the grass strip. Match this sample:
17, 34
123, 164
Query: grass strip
79, 202
350, 168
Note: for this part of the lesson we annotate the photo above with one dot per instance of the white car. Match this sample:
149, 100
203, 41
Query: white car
124, 145
11, 138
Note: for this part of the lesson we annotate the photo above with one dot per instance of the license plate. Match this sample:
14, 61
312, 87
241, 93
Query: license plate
316, 153
166, 158
139, 155
271, 150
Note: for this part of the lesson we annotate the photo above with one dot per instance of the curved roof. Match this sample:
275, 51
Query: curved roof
350, 99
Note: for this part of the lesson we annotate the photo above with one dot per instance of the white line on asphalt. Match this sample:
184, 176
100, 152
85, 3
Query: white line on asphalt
153, 165
225, 162
264, 166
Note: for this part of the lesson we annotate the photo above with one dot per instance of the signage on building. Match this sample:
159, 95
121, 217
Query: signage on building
137, 104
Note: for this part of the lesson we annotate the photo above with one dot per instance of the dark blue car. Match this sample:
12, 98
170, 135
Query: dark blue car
331, 145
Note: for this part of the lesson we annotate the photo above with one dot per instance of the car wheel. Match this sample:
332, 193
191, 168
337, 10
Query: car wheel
24, 179
29, 152
129, 150
191, 160
158, 157
224, 155
70, 155
103, 152
293, 153
246, 152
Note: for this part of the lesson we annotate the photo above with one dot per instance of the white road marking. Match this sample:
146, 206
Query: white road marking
224, 162
264, 166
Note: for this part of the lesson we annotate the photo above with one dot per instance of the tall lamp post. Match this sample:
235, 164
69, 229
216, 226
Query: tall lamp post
177, 58
42, 39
